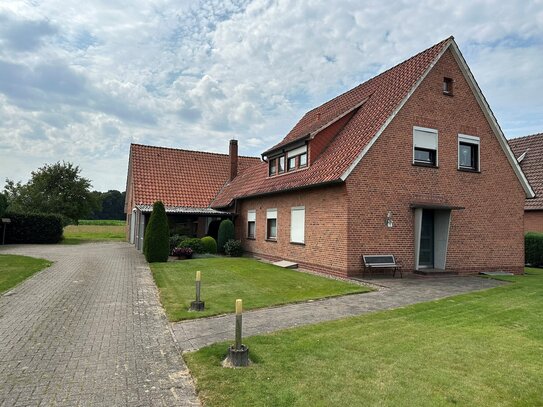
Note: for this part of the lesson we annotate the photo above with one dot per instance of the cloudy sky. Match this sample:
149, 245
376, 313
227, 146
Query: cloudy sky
81, 80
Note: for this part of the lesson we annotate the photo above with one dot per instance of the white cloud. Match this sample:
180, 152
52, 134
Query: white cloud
81, 83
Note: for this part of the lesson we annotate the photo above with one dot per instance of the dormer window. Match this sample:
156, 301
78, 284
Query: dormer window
290, 160
447, 86
273, 167
281, 167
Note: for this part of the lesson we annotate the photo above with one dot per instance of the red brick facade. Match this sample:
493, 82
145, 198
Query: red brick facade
325, 247
533, 221
345, 221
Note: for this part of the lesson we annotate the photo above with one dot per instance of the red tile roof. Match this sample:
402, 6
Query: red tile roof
180, 177
532, 165
384, 93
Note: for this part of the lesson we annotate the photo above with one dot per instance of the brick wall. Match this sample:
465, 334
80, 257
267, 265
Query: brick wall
324, 137
533, 221
487, 234
325, 247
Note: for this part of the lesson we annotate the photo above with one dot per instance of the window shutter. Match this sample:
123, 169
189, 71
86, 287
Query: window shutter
297, 151
425, 138
297, 224
271, 214
463, 138
251, 216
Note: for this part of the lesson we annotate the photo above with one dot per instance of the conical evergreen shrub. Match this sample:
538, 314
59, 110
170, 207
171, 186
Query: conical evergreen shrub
226, 233
156, 243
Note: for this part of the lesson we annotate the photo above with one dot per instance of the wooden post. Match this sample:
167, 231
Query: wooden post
239, 311
198, 304
198, 282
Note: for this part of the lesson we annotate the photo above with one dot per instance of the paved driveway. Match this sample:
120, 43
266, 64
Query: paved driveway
89, 331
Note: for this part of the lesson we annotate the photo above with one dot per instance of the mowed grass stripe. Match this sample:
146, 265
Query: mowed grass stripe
483, 349
225, 279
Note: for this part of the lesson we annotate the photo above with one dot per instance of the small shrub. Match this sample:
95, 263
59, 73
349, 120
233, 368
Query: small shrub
233, 248
156, 246
210, 244
533, 248
175, 240
194, 243
226, 233
33, 228
183, 252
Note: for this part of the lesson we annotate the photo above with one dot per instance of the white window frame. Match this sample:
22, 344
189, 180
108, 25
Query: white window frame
271, 213
426, 130
297, 231
251, 217
473, 140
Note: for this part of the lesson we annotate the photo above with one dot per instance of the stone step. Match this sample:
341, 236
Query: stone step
286, 264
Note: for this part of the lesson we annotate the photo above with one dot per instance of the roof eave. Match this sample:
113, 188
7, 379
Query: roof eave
485, 107
298, 188
353, 165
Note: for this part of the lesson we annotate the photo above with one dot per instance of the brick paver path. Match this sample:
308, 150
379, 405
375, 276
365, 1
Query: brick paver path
89, 331
393, 293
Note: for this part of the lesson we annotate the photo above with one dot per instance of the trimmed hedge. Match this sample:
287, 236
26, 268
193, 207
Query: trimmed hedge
156, 243
210, 244
33, 228
193, 243
533, 248
226, 233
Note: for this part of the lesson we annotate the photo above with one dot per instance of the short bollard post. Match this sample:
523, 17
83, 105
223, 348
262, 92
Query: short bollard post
197, 305
238, 354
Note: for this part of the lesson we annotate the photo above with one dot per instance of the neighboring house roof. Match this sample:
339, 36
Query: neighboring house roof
532, 165
375, 104
179, 178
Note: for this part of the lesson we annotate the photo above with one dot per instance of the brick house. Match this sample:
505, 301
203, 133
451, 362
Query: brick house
529, 153
410, 163
185, 181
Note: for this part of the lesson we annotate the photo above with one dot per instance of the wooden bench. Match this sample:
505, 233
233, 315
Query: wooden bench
381, 261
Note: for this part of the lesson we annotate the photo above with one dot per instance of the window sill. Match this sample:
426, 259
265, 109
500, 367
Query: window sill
448, 94
469, 170
297, 243
250, 238
424, 165
272, 240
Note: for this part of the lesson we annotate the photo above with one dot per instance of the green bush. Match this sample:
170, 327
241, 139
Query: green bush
175, 240
233, 248
193, 243
3, 204
33, 228
156, 246
533, 248
226, 233
210, 244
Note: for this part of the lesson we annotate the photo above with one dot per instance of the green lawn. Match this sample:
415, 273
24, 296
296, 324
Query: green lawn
75, 234
225, 279
479, 349
14, 269
103, 222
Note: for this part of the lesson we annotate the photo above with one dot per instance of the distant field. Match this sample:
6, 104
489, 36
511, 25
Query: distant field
106, 230
102, 222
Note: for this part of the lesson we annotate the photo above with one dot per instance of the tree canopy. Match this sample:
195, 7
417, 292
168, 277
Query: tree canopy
110, 205
54, 188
